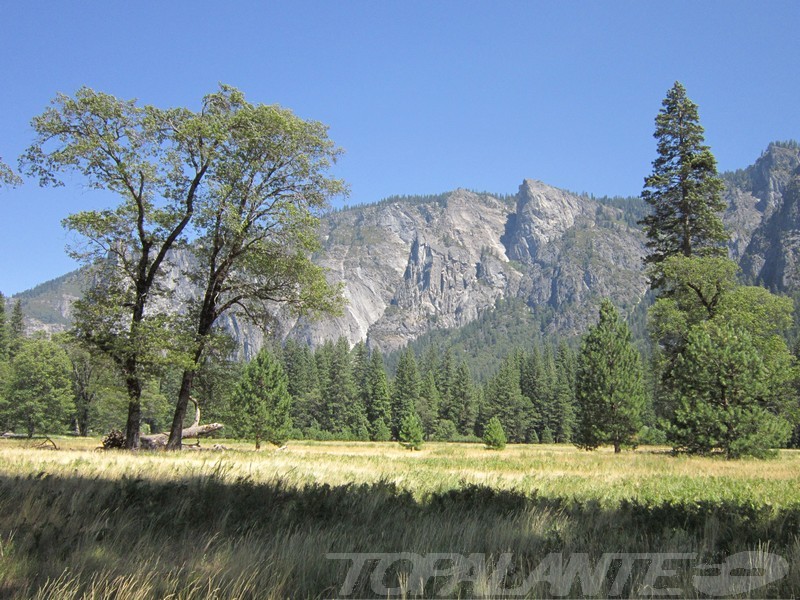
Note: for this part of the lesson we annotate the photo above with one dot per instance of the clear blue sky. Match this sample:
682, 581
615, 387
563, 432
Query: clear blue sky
423, 96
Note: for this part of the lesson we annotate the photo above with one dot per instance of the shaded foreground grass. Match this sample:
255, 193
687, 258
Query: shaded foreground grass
77, 524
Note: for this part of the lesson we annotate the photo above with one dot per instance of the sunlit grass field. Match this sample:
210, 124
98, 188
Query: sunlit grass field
79, 522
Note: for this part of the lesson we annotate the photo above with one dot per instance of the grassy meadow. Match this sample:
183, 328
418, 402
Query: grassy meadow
81, 523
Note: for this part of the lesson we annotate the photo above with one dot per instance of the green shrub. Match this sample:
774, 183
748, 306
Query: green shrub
494, 437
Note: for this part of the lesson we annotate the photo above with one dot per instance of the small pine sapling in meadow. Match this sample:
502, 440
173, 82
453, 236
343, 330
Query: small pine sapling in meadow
262, 402
494, 437
411, 433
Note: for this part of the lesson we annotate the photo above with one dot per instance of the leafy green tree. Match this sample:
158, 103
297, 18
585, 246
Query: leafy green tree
267, 185
406, 390
7, 176
156, 160
262, 403
40, 390
92, 377
411, 433
728, 399
609, 386
493, 436
725, 331
683, 190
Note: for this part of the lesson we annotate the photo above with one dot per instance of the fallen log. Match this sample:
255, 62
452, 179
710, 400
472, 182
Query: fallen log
158, 441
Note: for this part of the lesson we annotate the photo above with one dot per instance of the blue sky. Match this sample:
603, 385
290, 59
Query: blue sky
423, 96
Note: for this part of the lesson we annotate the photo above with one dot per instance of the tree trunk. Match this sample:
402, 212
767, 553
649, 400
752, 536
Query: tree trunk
176, 434
617, 448
161, 441
134, 387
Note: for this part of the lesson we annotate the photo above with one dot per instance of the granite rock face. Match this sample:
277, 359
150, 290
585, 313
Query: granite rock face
410, 267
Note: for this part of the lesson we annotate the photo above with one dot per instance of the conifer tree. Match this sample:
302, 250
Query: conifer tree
564, 395
379, 406
463, 405
609, 386
360, 362
3, 329
505, 400
727, 395
16, 329
344, 413
406, 390
684, 191
411, 434
428, 404
494, 437
301, 372
261, 403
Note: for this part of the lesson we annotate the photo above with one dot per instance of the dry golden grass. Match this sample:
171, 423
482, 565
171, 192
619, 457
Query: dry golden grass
81, 523
559, 471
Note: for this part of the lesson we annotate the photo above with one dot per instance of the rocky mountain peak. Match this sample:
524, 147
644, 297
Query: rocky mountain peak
543, 213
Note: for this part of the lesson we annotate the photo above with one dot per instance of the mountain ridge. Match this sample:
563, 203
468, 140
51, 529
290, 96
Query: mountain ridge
415, 264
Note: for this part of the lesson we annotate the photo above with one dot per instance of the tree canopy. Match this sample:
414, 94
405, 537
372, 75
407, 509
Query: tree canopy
245, 181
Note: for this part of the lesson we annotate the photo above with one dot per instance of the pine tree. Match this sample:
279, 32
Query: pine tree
564, 395
609, 386
262, 404
344, 412
444, 375
406, 390
684, 191
506, 402
16, 329
494, 437
301, 372
379, 406
3, 329
410, 433
428, 404
726, 395
463, 405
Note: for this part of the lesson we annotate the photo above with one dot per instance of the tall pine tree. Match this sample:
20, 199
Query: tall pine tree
684, 191
15, 329
406, 390
379, 406
3, 329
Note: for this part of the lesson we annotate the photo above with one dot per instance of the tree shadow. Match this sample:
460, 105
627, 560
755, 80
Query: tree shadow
277, 534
